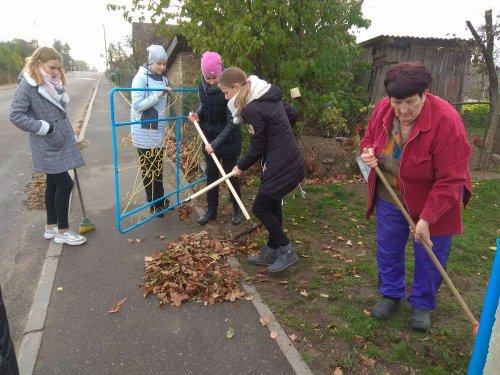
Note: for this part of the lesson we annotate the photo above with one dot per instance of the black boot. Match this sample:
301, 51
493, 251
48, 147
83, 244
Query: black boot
155, 208
236, 219
211, 214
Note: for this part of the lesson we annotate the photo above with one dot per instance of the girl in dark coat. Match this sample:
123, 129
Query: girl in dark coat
259, 105
223, 135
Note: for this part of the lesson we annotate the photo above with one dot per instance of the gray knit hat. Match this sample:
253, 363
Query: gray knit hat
156, 53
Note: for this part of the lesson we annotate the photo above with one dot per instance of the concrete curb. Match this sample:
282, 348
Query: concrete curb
81, 136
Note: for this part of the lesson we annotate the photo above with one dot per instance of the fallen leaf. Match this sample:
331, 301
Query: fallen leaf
117, 306
293, 337
304, 255
230, 333
284, 282
249, 297
274, 335
184, 211
360, 340
138, 240
60, 289
130, 240
348, 243
338, 371
324, 295
215, 256
265, 320
367, 313
367, 361
162, 237
304, 293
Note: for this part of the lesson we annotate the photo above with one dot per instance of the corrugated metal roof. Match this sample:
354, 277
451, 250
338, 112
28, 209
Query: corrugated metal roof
430, 40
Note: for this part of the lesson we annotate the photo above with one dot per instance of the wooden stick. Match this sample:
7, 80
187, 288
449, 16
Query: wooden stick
427, 248
223, 173
208, 187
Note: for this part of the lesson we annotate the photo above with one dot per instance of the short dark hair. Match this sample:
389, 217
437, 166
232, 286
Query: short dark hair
407, 79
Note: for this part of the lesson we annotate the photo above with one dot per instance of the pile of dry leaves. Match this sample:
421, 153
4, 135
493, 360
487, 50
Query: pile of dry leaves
193, 268
34, 192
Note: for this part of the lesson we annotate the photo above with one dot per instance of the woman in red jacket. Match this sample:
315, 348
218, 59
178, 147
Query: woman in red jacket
419, 142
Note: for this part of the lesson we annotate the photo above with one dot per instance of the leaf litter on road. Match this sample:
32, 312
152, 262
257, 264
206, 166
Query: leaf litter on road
193, 268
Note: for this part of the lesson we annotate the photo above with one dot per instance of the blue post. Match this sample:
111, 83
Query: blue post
482, 343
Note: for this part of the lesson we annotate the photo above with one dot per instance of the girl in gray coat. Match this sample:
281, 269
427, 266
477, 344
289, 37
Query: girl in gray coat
39, 108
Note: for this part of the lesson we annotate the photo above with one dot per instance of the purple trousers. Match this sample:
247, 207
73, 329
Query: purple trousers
392, 236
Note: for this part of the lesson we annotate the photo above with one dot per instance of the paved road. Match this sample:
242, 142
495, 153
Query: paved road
22, 247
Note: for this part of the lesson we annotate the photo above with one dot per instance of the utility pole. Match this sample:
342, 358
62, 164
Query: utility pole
105, 47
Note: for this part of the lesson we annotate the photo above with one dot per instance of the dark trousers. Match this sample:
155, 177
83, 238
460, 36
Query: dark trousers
8, 361
268, 211
151, 161
392, 236
213, 174
57, 195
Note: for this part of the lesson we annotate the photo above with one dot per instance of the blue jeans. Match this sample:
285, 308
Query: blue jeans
392, 236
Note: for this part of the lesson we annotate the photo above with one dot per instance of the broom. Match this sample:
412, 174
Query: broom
86, 225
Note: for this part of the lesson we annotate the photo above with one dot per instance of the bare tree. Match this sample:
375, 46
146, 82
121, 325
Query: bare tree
486, 45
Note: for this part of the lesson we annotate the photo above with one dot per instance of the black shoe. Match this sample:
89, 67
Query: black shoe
266, 257
209, 215
420, 320
237, 218
384, 308
285, 257
155, 208
165, 203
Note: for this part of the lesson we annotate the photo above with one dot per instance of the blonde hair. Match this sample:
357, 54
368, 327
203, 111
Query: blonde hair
42, 54
232, 76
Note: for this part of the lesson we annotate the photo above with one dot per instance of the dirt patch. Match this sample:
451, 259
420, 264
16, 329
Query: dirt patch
328, 156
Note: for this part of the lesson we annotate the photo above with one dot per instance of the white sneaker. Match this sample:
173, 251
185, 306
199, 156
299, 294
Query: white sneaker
70, 238
50, 233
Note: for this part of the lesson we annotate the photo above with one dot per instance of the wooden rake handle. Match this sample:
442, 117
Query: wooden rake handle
223, 173
208, 187
428, 248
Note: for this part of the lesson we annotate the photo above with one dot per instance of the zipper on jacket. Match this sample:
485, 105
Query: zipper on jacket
399, 167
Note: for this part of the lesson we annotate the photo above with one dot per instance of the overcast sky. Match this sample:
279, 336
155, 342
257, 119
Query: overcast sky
80, 23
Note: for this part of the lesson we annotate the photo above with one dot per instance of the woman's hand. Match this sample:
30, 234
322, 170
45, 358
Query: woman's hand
237, 171
421, 232
194, 117
368, 157
209, 149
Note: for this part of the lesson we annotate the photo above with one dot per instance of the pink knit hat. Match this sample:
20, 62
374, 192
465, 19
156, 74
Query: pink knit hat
211, 64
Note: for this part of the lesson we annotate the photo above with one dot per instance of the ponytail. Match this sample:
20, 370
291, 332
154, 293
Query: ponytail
241, 101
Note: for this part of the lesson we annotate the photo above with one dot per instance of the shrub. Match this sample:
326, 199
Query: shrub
475, 116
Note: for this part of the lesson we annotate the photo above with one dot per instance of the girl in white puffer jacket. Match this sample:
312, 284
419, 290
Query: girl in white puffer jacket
149, 137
